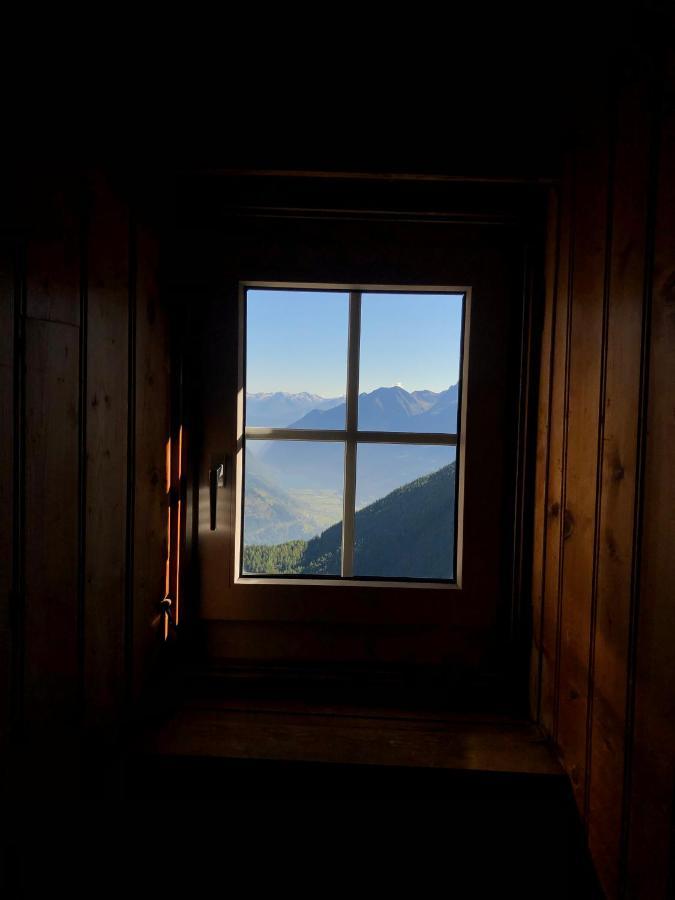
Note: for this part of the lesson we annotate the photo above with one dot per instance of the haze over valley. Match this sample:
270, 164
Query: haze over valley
294, 489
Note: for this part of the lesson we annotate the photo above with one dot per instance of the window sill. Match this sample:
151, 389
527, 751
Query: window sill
278, 731
344, 582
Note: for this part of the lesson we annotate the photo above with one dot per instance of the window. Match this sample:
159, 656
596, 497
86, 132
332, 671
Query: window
350, 406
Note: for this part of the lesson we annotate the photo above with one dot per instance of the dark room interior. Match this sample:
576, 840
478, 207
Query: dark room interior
429, 643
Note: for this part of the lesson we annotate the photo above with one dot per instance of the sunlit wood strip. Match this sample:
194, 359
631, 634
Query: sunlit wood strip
179, 522
167, 579
168, 466
167, 573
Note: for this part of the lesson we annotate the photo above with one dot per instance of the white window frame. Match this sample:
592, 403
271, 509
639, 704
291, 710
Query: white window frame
350, 435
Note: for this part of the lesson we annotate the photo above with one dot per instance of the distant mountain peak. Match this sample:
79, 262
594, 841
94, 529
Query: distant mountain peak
391, 409
278, 409
288, 395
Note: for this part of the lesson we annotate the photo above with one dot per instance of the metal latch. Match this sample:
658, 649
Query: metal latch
217, 477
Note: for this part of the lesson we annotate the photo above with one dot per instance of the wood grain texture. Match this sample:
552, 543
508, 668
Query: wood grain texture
550, 622
79, 488
7, 308
581, 452
542, 450
331, 643
250, 732
650, 832
152, 433
106, 442
51, 602
52, 466
618, 481
608, 620
52, 200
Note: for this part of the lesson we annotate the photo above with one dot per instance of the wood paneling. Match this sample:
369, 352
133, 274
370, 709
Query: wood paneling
51, 527
615, 527
296, 643
651, 859
581, 451
542, 445
605, 484
553, 462
6, 478
92, 547
53, 249
106, 443
71, 276
87, 276
52, 459
152, 432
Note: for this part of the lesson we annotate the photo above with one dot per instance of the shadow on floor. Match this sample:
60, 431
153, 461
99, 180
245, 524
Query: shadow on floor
251, 827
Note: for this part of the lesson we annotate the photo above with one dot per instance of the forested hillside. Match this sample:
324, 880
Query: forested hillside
294, 489
407, 534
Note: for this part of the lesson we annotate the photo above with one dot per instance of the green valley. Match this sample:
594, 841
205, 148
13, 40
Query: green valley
409, 533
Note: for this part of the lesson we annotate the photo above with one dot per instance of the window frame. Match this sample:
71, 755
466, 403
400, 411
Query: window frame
351, 436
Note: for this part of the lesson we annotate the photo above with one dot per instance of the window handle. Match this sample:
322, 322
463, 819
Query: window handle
165, 610
216, 480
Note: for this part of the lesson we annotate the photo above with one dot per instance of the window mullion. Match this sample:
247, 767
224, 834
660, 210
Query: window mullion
349, 502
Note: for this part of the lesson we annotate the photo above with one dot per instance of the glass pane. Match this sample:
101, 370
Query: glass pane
410, 358
293, 507
405, 519
296, 358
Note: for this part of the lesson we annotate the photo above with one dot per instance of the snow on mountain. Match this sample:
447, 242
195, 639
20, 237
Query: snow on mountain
380, 468
280, 408
392, 409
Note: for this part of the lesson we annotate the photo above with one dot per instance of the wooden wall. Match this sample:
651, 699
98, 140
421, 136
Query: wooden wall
84, 400
604, 555
84, 406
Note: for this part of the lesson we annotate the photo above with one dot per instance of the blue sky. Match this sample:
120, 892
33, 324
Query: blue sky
297, 341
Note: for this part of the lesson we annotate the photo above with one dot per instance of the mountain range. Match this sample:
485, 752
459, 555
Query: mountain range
407, 534
279, 409
293, 489
294, 466
392, 409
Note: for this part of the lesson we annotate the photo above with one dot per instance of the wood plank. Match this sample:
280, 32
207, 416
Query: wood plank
236, 732
331, 643
152, 433
581, 455
619, 457
51, 660
106, 436
182, 518
51, 602
53, 251
650, 861
173, 485
6, 479
542, 450
212, 351
554, 500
